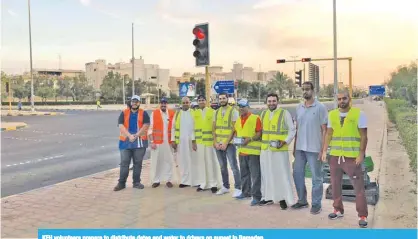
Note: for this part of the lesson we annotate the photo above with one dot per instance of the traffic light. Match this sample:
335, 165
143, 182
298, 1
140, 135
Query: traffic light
7, 87
281, 61
298, 78
306, 59
201, 43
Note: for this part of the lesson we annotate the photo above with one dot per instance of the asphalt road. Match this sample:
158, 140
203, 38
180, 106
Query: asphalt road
54, 149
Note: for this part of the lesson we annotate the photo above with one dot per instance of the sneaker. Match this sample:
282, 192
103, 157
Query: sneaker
362, 222
335, 215
119, 187
139, 186
154, 185
243, 196
265, 203
299, 205
316, 210
255, 202
222, 191
283, 204
199, 189
237, 193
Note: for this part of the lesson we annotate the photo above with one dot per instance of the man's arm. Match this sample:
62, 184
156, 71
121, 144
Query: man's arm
362, 125
145, 125
173, 127
327, 139
258, 130
323, 114
122, 128
296, 128
290, 126
214, 127
151, 126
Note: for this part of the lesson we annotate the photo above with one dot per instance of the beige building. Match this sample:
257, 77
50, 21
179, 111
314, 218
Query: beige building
97, 70
59, 73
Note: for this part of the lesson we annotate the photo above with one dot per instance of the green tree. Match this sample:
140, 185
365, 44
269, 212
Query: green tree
243, 88
279, 84
111, 87
403, 83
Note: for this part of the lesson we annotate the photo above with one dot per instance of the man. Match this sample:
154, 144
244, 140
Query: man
133, 125
207, 163
311, 127
184, 143
347, 138
159, 134
247, 137
223, 123
278, 132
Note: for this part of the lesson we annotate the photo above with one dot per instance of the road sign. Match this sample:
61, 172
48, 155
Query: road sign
224, 86
378, 90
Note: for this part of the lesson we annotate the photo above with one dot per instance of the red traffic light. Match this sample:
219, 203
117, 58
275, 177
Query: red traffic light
306, 59
198, 33
281, 61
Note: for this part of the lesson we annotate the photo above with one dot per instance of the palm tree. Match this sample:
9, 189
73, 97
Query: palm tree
279, 83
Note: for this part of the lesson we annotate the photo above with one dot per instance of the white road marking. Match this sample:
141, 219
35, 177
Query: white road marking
35, 160
25, 139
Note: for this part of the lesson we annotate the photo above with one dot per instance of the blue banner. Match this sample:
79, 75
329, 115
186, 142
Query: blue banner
224, 233
187, 89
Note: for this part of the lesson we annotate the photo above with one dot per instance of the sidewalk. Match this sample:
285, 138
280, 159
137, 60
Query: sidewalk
8, 126
90, 202
27, 113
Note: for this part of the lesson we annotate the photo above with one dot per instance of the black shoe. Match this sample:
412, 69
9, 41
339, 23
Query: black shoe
335, 215
362, 222
169, 184
265, 203
283, 204
214, 189
154, 185
299, 205
119, 187
139, 186
183, 186
316, 210
199, 190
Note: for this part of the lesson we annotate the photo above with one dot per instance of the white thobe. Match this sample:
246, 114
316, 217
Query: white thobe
162, 157
185, 154
276, 175
209, 172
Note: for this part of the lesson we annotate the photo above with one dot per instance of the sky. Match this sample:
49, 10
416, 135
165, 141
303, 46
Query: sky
378, 35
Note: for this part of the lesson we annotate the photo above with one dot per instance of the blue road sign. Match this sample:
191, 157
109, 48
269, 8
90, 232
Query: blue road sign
378, 90
224, 86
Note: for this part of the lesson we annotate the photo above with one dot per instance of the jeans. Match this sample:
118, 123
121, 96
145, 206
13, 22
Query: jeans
301, 158
137, 156
230, 154
250, 175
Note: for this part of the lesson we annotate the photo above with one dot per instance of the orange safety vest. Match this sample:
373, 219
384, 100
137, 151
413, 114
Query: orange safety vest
158, 126
126, 115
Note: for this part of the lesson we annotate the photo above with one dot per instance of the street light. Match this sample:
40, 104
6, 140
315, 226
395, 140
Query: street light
335, 52
31, 70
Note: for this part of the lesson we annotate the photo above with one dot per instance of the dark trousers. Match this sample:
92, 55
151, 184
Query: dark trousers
229, 155
137, 156
356, 175
250, 175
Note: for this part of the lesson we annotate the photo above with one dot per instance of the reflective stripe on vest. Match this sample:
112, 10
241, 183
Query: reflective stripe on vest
158, 126
223, 125
248, 131
346, 139
274, 129
126, 116
203, 126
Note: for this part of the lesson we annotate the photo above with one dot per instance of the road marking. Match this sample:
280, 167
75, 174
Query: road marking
35, 160
23, 139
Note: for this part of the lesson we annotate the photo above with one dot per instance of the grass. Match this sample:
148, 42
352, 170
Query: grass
405, 117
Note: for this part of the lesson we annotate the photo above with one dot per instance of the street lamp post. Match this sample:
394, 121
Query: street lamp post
335, 52
31, 69
123, 89
133, 62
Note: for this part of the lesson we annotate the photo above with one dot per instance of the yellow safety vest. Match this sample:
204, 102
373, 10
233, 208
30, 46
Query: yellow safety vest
274, 129
346, 139
248, 131
203, 126
223, 125
177, 127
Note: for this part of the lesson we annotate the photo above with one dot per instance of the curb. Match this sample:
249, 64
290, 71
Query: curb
35, 114
11, 128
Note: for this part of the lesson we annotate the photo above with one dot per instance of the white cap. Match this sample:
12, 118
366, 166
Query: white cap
135, 97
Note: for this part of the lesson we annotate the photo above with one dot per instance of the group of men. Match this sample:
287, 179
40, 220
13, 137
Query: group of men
204, 141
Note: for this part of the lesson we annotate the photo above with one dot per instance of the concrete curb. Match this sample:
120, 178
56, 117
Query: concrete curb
34, 114
11, 128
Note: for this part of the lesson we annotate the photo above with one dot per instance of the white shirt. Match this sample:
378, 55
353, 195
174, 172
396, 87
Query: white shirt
289, 123
362, 122
165, 119
186, 126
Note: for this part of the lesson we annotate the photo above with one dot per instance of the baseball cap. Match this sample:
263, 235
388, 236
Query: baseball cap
163, 100
243, 103
135, 97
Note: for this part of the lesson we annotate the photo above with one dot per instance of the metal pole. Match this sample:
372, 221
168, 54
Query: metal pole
123, 89
323, 76
304, 73
335, 52
133, 62
31, 69
207, 86
259, 86
350, 78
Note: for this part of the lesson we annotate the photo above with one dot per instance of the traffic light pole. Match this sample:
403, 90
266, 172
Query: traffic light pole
207, 85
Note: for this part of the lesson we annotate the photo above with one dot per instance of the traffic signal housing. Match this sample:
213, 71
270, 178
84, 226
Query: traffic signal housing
298, 78
281, 61
201, 44
306, 59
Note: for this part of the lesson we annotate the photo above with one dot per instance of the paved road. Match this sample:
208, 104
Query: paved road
58, 148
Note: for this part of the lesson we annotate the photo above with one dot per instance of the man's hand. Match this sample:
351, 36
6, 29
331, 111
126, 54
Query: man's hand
132, 138
223, 146
324, 156
282, 143
194, 146
246, 141
360, 158
320, 156
153, 146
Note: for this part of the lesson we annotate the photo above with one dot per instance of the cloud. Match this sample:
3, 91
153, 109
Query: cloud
85, 2
13, 14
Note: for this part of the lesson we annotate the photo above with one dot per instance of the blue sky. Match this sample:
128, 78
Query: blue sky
378, 35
